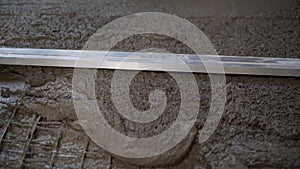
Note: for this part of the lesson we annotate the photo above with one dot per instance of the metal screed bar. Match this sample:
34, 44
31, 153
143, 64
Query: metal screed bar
152, 61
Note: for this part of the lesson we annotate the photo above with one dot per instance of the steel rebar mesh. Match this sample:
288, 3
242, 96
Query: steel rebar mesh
28, 141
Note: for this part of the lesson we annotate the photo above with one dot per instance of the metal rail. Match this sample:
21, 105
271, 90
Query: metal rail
154, 61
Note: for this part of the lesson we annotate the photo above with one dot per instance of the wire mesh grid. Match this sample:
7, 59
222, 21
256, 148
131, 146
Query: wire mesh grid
28, 141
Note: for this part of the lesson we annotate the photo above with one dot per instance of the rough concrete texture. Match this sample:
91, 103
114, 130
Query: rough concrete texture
260, 125
260, 28
259, 128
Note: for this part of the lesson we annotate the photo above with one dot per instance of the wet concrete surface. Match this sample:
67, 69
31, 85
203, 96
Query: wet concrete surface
260, 125
235, 28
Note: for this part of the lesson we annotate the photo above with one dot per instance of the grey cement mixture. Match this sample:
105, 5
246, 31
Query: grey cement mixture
260, 127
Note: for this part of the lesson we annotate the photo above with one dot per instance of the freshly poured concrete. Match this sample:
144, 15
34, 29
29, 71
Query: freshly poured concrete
260, 125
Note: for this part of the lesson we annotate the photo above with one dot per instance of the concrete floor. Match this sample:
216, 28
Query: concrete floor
259, 28
259, 128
